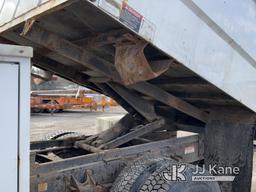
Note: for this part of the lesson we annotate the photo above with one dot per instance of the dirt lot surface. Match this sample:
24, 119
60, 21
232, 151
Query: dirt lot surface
82, 121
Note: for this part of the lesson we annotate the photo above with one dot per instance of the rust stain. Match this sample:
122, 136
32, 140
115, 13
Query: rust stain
131, 63
42, 187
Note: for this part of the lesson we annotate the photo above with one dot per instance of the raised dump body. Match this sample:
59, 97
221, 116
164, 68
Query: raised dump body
189, 63
212, 39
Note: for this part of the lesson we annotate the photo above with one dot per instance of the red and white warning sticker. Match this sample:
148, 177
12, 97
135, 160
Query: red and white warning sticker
130, 17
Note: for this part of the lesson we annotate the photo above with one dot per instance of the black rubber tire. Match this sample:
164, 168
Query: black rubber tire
157, 183
134, 174
146, 175
61, 135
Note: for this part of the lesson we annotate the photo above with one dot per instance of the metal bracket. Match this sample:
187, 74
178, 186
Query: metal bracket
137, 132
28, 25
89, 185
131, 63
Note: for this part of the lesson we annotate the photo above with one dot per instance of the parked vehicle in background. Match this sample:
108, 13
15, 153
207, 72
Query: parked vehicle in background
46, 102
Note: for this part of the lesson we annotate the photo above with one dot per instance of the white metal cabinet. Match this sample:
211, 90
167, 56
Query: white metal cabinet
14, 117
9, 126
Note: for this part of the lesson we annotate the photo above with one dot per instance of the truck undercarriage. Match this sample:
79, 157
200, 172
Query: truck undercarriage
84, 44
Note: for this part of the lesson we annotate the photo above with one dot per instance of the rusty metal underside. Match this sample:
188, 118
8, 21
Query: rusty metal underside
74, 43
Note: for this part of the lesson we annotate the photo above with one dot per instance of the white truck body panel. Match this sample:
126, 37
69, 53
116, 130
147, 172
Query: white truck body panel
9, 125
15, 117
215, 39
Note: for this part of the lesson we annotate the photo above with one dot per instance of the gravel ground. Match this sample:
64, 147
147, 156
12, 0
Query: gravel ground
82, 121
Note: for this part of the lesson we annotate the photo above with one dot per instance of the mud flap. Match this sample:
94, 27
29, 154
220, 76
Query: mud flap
229, 144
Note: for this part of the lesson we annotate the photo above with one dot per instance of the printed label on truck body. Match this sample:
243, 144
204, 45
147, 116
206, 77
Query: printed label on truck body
190, 149
130, 17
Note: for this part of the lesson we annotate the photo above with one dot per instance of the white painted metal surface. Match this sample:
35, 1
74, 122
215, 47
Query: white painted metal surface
215, 39
14, 117
10, 18
10, 9
214, 46
9, 126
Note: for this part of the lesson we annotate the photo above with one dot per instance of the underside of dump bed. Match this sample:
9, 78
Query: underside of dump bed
83, 44
170, 70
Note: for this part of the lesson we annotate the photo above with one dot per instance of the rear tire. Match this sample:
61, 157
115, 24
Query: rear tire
134, 174
146, 175
58, 135
156, 182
